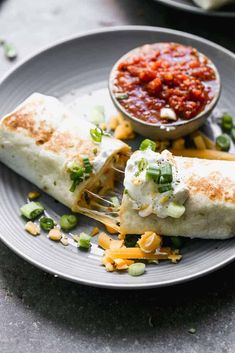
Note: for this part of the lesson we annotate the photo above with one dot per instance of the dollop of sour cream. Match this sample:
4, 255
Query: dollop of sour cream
143, 191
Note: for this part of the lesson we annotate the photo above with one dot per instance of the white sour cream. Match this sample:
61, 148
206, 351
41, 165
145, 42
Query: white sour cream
144, 192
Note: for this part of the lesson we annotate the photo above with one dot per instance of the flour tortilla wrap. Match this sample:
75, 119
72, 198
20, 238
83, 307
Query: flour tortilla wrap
41, 137
209, 208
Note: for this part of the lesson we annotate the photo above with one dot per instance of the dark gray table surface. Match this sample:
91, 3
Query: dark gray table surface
41, 313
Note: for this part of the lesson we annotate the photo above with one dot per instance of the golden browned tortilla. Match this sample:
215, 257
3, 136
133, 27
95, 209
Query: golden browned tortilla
209, 208
39, 140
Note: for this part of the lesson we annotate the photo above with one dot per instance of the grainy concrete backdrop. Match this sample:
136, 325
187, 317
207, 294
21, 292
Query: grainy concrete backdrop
43, 314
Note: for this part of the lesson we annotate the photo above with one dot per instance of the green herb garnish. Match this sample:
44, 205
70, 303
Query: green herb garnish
166, 173
97, 133
153, 172
68, 222
227, 123
146, 144
47, 223
142, 164
9, 50
121, 96
84, 241
164, 188
136, 269
32, 210
78, 173
223, 142
87, 165
233, 134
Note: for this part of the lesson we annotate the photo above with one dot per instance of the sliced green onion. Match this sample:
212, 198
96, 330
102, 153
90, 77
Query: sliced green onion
96, 134
142, 164
136, 269
177, 242
131, 240
223, 142
227, 123
96, 115
84, 241
153, 172
32, 210
146, 144
68, 222
47, 223
233, 134
87, 165
175, 210
74, 167
166, 173
115, 201
74, 185
164, 188
10, 51
192, 330
121, 96
76, 174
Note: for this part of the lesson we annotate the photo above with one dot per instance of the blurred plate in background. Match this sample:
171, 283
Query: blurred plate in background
190, 6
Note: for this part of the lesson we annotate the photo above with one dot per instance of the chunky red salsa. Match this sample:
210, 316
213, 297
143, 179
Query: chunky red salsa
165, 82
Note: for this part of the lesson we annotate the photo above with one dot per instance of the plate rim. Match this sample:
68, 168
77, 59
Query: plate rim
99, 283
122, 286
197, 10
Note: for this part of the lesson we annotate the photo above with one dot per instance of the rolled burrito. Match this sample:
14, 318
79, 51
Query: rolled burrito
212, 4
64, 156
177, 196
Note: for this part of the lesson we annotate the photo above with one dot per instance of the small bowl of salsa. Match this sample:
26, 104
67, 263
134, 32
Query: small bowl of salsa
167, 90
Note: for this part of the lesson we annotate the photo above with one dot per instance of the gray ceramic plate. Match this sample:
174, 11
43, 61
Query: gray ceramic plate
81, 65
188, 5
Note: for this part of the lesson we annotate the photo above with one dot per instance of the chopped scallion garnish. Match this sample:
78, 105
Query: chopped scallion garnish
164, 188
84, 241
142, 164
96, 134
47, 223
153, 172
32, 210
227, 123
68, 222
121, 96
78, 173
223, 142
233, 134
10, 51
146, 144
87, 165
136, 269
166, 173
